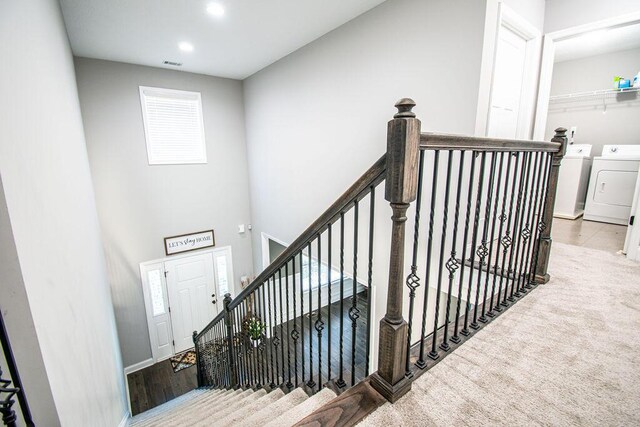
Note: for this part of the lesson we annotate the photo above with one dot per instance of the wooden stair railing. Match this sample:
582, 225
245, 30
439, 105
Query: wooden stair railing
488, 236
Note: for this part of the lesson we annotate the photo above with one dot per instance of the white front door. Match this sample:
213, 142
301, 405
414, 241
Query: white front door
192, 296
507, 87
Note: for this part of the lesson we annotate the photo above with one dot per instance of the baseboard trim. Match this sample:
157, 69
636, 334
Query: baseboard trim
125, 420
137, 366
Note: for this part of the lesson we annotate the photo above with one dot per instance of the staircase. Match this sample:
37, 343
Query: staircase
220, 408
295, 343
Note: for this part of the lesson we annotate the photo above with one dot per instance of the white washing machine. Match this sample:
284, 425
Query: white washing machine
612, 184
573, 181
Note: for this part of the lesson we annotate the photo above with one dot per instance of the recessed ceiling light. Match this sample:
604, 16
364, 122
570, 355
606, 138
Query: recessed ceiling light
185, 46
215, 9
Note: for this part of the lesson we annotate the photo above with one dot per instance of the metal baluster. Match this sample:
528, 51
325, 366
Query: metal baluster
453, 264
526, 232
295, 334
507, 241
540, 225
302, 349
354, 312
372, 193
456, 338
265, 347
520, 216
501, 218
434, 185
286, 284
272, 336
341, 383
329, 265
433, 354
282, 333
484, 252
319, 325
245, 338
276, 338
474, 242
258, 351
311, 383
250, 347
413, 281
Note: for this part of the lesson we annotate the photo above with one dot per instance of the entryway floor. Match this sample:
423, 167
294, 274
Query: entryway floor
157, 384
589, 234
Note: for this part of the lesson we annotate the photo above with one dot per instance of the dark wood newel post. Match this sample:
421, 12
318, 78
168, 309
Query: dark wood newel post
547, 216
228, 321
403, 146
198, 368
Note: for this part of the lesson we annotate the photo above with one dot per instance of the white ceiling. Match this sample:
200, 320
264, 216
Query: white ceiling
598, 42
251, 35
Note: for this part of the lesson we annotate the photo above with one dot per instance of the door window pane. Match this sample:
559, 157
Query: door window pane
155, 290
223, 280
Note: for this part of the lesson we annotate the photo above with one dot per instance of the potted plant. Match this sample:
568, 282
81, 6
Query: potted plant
255, 328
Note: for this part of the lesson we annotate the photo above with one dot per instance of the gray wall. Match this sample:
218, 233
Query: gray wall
620, 124
139, 204
316, 119
52, 211
561, 14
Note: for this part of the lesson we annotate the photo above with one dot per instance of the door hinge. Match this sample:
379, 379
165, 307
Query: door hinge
165, 274
174, 342
169, 309
633, 217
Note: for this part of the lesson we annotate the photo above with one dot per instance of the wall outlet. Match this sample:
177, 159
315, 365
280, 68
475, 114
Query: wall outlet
241, 228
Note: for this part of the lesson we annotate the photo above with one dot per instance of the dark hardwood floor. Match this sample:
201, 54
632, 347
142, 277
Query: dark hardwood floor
157, 384
270, 364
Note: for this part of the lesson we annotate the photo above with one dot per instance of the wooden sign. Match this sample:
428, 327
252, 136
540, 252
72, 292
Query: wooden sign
188, 242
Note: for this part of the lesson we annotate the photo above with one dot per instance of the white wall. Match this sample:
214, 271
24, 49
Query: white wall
139, 204
51, 206
21, 330
561, 14
620, 124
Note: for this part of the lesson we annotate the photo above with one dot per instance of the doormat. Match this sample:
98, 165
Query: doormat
183, 360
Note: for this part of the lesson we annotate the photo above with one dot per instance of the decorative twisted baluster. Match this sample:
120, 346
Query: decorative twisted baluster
413, 280
452, 264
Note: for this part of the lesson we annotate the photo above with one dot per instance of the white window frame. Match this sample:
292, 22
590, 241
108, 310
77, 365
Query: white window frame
144, 91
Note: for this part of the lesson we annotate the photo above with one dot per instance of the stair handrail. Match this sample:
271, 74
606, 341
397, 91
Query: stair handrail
373, 176
8, 415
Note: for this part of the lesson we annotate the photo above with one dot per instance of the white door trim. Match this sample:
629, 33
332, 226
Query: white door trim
508, 18
266, 256
548, 56
147, 298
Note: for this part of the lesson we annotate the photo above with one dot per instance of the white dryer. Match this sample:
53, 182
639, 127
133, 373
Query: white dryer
612, 184
573, 181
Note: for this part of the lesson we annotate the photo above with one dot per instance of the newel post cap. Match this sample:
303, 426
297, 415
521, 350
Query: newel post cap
404, 106
561, 137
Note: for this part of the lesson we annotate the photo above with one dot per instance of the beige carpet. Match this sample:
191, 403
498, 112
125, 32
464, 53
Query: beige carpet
567, 354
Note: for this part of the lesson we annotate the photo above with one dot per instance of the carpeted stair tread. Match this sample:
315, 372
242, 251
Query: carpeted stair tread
174, 404
174, 418
264, 415
214, 413
298, 412
242, 415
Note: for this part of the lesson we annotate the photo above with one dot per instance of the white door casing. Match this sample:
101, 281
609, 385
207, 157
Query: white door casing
632, 240
513, 81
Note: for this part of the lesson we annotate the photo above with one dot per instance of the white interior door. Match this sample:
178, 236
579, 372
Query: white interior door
507, 86
157, 306
192, 296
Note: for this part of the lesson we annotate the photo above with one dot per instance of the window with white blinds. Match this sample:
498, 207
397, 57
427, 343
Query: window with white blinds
173, 126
